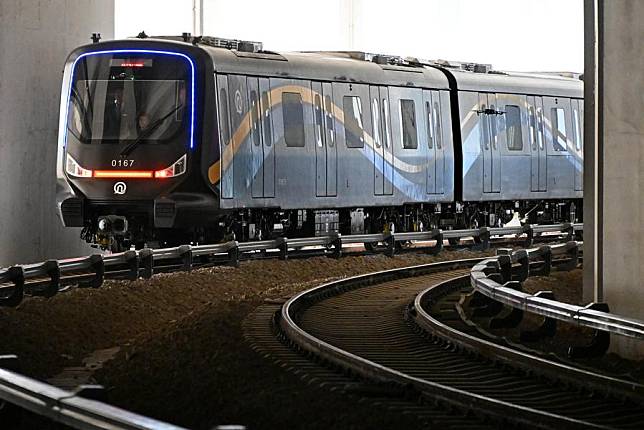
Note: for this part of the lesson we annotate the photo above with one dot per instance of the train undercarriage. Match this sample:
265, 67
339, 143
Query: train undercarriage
119, 233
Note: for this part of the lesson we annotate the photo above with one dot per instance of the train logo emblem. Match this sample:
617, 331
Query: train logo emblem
238, 102
120, 188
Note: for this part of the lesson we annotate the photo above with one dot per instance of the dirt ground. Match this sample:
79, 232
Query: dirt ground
183, 357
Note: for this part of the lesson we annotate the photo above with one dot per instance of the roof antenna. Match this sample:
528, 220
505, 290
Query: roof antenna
96, 37
142, 35
186, 37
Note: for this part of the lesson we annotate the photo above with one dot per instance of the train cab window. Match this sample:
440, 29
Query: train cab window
408, 124
513, 127
438, 126
224, 124
558, 129
293, 113
268, 128
353, 124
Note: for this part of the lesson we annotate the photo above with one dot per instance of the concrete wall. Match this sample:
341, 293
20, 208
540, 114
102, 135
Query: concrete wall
35, 38
617, 174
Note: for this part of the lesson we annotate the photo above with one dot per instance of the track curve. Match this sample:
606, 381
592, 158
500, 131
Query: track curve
359, 324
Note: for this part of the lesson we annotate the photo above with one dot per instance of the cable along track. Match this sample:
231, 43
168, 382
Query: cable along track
358, 324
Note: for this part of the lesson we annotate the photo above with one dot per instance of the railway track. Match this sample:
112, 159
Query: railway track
359, 325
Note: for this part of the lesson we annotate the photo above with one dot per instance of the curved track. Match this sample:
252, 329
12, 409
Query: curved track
360, 325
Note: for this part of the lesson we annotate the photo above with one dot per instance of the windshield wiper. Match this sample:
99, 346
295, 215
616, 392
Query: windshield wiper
148, 131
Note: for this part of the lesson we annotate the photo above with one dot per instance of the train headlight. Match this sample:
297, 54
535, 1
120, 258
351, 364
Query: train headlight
75, 169
103, 224
178, 168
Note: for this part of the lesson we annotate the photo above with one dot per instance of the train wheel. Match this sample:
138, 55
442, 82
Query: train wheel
370, 246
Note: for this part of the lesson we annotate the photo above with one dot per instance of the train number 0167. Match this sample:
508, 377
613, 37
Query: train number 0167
122, 163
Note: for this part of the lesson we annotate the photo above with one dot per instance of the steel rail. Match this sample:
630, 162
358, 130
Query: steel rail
70, 408
499, 279
496, 352
74, 410
464, 400
143, 262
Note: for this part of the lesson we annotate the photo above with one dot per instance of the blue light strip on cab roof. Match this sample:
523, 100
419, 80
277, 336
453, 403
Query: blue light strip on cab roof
139, 51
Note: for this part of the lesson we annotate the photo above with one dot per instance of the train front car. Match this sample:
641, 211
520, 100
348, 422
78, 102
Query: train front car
128, 139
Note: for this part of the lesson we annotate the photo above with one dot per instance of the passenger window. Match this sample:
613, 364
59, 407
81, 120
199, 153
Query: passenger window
375, 117
540, 128
513, 127
224, 123
430, 125
268, 129
438, 126
408, 124
318, 120
329, 121
293, 113
533, 130
385, 117
577, 129
353, 128
254, 117
558, 129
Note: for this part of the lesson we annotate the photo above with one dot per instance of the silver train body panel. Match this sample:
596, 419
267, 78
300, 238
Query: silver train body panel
548, 119
334, 165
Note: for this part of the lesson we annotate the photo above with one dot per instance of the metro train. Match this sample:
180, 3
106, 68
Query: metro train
170, 140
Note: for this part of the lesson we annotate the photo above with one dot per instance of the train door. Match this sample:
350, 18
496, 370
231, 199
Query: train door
578, 153
431, 141
387, 143
378, 144
541, 144
266, 127
439, 134
320, 141
435, 154
256, 147
225, 146
330, 140
489, 143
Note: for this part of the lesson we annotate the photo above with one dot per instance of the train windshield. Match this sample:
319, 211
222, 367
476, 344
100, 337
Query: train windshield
120, 100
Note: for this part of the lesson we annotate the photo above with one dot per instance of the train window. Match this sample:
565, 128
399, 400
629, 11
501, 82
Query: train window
513, 127
533, 128
385, 117
438, 126
408, 124
254, 117
540, 128
577, 129
224, 124
293, 114
375, 119
558, 129
268, 128
430, 125
329, 121
318, 120
353, 128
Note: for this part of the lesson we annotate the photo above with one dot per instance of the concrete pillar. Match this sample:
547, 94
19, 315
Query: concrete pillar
35, 38
614, 161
